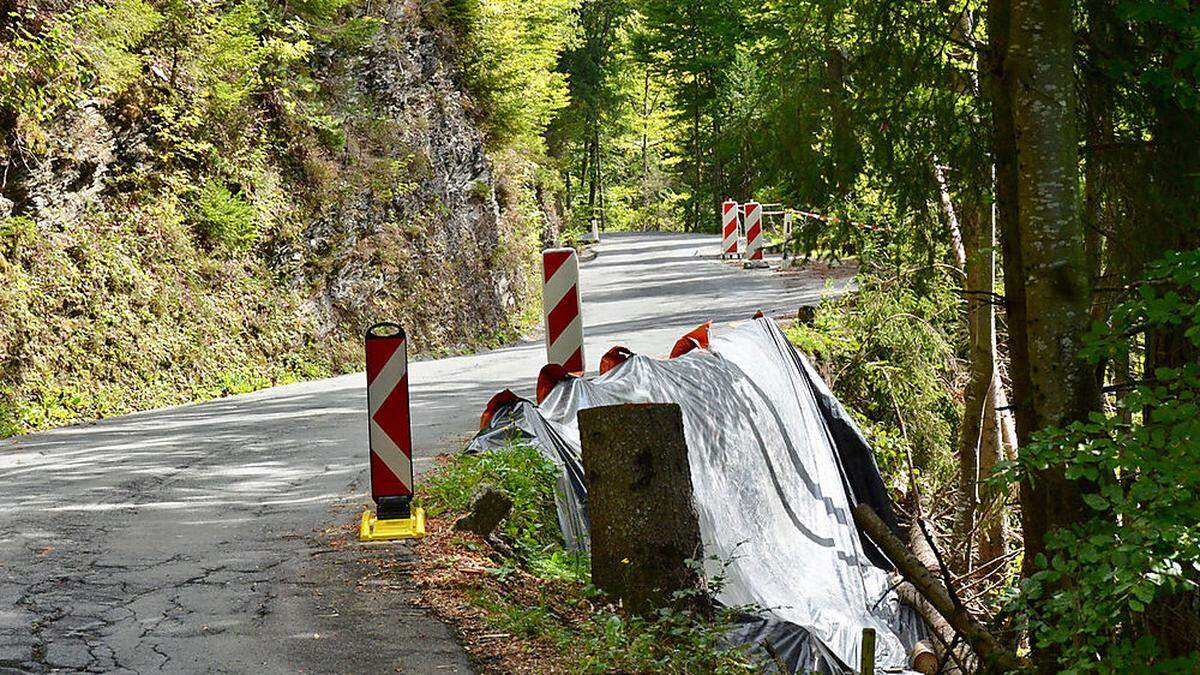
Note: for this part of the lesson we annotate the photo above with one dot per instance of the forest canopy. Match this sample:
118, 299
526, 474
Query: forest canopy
1023, 350
1016, 181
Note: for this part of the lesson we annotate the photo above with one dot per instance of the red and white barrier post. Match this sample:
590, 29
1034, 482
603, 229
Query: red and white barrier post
754, 253
729, 229
787, 233
560, 300
390, 438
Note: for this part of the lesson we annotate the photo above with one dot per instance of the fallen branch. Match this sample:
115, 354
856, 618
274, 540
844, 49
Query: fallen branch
949, 641
994, 656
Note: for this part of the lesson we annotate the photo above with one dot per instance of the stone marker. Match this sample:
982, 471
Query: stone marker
806, 315
488, 507
643, 521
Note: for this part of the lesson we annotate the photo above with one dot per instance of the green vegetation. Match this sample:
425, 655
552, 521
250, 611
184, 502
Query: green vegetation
509, 50
190, 195
199, 199
116, 322
586, 634
520, 472
673, 641
1133, 558
225, 219
891, 355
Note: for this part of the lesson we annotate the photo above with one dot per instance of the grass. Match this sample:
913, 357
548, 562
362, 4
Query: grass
528, 478
542, 602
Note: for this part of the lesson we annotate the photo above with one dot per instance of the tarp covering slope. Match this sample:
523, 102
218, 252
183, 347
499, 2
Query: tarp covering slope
776, 465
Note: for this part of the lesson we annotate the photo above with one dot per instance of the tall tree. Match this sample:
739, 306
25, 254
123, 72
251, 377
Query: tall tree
695, 43
1053, 262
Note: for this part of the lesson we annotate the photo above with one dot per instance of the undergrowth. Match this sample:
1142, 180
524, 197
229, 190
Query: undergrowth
526, 477
203, 199
889, 354
544, 596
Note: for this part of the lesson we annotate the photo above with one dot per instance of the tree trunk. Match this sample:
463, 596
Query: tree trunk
644, 525
583, 164
995, 657
600, 181
594, 176
645, 137
1004, 153
982, 438
694, 206
981, 442
1057, 291
956, 238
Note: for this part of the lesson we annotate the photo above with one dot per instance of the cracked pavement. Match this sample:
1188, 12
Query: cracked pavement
196, 538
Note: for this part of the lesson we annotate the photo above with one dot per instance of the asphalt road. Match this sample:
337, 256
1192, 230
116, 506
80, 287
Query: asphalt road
206, 537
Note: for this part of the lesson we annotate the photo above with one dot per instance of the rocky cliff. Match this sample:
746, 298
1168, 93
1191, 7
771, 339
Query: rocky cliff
226, 198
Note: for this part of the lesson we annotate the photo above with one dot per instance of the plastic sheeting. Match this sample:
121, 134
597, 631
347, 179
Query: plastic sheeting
776, 465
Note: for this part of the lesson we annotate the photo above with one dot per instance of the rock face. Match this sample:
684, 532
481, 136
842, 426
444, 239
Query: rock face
373, 198
80, 159
643, 519
440, 229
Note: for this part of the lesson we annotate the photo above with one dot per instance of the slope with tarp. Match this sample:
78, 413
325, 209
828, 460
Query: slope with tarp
776, 464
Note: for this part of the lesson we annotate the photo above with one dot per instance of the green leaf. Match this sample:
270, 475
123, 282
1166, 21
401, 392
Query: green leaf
1095, 501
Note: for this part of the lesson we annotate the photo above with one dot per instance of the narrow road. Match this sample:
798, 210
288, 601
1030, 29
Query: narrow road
202, 538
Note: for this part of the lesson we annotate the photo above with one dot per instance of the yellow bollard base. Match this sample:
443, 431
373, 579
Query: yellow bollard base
373, 529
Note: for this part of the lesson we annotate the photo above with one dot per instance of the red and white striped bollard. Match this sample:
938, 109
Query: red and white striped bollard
561, 304
390, 438
729, 228
754, 253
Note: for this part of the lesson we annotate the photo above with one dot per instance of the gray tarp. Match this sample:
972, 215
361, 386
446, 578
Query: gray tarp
776, 464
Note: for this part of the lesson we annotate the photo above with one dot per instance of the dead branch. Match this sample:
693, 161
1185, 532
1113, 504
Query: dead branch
995, 657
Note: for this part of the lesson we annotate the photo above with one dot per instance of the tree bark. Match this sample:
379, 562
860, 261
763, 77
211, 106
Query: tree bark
980, 437
645, 137
644, 525
956, 239
1052, 248
1004, 153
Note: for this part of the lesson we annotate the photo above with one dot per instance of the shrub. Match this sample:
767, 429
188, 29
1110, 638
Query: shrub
225, 220
1109, 587
521, 472
888, 353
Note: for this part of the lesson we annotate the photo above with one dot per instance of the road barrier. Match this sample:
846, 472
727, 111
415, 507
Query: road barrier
390, 438
560, 301
752, 228
754, 243
729, 228
697, 338
787, 232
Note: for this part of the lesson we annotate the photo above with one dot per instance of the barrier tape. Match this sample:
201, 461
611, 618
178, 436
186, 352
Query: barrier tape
835, 219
